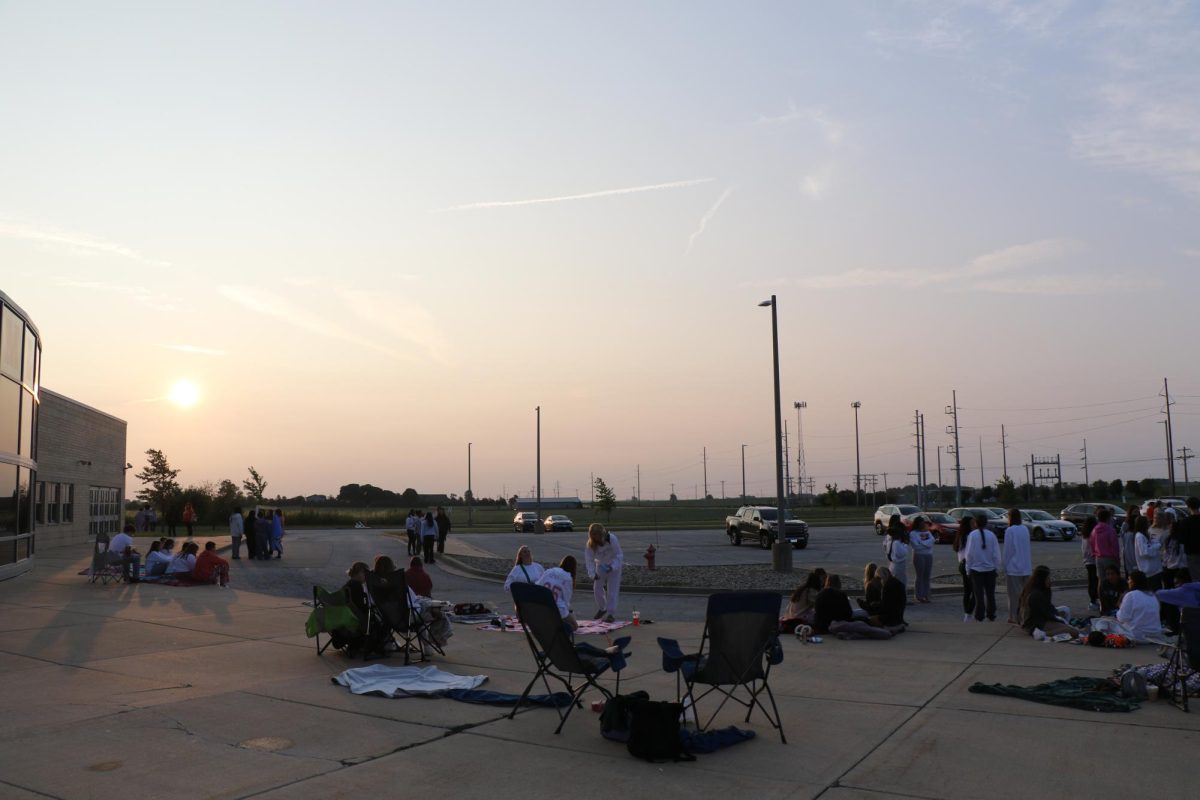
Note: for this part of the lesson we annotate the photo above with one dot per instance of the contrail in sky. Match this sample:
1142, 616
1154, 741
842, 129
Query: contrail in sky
704, 220
585, 196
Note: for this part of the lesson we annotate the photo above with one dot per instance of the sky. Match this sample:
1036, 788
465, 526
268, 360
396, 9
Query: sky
368, 234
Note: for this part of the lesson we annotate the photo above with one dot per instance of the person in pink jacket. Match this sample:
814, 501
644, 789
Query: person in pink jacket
1106, 545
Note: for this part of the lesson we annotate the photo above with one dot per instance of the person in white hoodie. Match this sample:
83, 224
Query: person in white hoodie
1018, 563
603, 558
982, 558
896, 549
1147, 544
921, 541
560, 581
525, 569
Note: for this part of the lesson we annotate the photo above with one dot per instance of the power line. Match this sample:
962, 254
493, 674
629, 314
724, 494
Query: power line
1066, 408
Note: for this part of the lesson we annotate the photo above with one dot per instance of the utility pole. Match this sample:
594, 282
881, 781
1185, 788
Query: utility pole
856, 405
639, 483
1086, 480
885, 487
1004, 450
539, 464
1028, 486
592, 475
952, 410
470, 494
939, 460
704, 455
924, 460
673, 491
1185, 454
722, 490
787, 461
982, 482
917, 425
743, 472
798, 405
1170, 438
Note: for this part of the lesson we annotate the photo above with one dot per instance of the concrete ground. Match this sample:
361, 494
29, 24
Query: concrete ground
176, 692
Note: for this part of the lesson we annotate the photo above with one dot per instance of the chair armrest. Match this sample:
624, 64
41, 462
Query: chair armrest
673, 656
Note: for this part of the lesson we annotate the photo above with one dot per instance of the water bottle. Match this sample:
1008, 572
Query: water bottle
637, 618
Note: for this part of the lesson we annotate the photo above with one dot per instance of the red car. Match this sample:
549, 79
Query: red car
943, 526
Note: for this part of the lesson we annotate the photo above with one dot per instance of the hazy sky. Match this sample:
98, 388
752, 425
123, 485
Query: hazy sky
370, 233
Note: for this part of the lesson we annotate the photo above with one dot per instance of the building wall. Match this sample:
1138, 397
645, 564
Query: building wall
81, 471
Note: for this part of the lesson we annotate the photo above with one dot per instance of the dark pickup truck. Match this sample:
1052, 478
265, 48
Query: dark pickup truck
758, 524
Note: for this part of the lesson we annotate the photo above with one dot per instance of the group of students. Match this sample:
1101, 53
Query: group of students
162, 560
367, 587
603, 559
262, 529
426, 532
1131, 611
821, 604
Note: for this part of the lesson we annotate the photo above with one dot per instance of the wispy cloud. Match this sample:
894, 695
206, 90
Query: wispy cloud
584, 196
708, 215
1069, 284
977, 274
399, 319
832, 129
816, 183
157, 300
78, 243
938, 35
193, 349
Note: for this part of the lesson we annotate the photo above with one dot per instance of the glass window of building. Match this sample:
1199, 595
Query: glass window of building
52, 505
12, 337
24, 501
39, 503
10, 415
68, 506
28, 414
29, 364
8, 502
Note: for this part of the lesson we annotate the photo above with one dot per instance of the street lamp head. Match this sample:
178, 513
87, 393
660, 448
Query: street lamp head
766, 303
856, 404
800, 404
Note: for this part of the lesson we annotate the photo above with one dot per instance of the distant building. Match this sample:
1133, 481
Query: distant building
317, 498
531, 503
62, 463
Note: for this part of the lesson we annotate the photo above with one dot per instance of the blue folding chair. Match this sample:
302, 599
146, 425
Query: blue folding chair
739, 646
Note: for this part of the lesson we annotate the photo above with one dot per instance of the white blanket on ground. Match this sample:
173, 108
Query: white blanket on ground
405, 681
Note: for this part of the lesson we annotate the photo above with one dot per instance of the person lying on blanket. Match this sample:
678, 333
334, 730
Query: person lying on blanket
560, 581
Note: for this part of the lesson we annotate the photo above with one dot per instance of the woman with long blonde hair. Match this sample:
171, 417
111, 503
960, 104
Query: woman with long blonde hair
603, 558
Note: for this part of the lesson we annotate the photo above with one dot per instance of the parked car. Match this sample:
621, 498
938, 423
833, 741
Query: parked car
558, 522
525, 522
1044, 526
759, 524
1177, 503
1078, 513
996, 522
943, 526
885, 512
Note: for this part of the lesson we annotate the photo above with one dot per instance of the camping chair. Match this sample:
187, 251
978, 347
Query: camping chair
103, 569
1185, 651
390, 601
740, 633
556, 654
334, 616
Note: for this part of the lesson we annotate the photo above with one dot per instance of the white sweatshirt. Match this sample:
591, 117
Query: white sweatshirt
1017, 559
983, 551
921, 542
558, 581
1139, 613
895, 550
524, 573
1149, 554
607, 553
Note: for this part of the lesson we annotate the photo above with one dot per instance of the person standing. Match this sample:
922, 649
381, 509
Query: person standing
921, 540
1018, 563
262, 534
277, 532
1106, 546
412, 530
1148, 544
1089, 561
443, 527
965, 526
189, 518
429, 532
235, 533
983, 554
603, 558
152, 518
895, 548
139, 521
1188, 531
249, 532
1126, 534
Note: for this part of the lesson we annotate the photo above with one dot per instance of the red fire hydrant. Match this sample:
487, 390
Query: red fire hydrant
649, 556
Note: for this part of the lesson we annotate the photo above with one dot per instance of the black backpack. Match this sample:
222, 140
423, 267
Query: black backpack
654, 732
617, 713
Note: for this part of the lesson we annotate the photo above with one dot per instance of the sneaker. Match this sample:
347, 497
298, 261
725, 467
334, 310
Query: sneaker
967, 618
608, 618
1094, 606
599, 614
1039, 635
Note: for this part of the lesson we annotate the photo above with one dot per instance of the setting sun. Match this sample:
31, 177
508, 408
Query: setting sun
184, 393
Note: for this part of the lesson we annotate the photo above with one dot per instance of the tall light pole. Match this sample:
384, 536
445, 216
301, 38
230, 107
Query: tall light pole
470, 496
798, 405
779, 497
538, 524
743, 472
856, 405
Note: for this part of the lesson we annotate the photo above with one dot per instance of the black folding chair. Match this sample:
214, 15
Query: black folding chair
390, 599
557, 655
737, 650
1185, 651
104, 567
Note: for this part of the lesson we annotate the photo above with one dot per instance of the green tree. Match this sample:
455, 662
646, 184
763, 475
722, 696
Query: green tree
1114, 489
227, 498
606, 498
1006, 491
159, 479
255, 486
830, 496
1100, 490
1148, 487
1132, 488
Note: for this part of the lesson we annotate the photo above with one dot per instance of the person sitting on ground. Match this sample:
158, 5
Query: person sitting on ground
799, 609
1037, 607
210, 567
184, 562
1138, 615
161, 553
561, 581
893, 597
524, 570
417, 578
872, 590
1112, 589
834, 615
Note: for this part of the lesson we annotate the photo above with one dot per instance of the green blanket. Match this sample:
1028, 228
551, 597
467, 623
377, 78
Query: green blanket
1089, 694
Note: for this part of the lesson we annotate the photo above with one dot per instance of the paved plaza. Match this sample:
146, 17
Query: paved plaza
155, 691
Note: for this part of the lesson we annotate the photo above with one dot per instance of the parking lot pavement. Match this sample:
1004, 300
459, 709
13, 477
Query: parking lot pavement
203, 692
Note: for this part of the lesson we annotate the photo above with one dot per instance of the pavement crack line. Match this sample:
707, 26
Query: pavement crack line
31, 791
